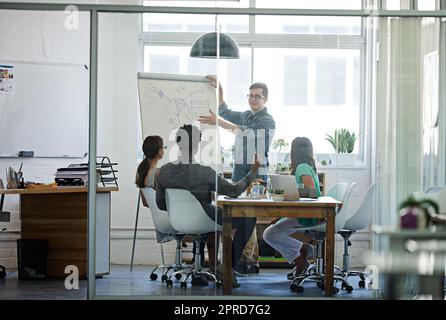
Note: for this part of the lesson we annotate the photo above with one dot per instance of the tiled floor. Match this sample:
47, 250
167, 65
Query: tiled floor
136, 284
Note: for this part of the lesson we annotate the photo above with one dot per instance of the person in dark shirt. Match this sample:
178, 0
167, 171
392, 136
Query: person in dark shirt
202, 181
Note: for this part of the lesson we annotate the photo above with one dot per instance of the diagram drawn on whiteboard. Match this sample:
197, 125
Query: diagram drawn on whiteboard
183, 107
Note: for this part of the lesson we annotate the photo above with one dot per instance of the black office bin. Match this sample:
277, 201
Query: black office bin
32, 259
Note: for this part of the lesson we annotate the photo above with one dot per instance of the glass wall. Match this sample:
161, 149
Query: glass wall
316, 85
44, 88
379, 78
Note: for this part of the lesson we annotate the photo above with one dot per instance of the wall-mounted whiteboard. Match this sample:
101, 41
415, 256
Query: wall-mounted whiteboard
46, 111
168, 101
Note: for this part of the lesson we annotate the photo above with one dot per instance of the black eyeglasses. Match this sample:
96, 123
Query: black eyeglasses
256, 97
164, 147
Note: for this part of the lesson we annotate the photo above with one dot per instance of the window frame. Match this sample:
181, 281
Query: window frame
312, 41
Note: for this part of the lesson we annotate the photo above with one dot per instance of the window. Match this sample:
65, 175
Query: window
308, 25
312, 65
330, 80
426, 5
314, 4
295, 80
311, 91
393, 4
164, 63
167, 22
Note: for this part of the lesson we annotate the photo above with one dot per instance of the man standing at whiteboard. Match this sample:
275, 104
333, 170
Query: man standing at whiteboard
253, 129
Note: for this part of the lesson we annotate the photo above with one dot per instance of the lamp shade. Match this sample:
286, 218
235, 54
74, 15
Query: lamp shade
206, 47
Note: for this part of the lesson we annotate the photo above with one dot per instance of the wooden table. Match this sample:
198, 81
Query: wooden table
323, 207
60, 214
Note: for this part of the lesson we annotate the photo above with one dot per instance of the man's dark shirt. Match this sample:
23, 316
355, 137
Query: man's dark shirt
199, 180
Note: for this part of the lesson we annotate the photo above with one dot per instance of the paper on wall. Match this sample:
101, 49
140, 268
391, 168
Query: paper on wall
7, 79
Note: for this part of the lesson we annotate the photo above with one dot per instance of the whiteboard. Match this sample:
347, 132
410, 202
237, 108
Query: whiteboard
168, 101
46, 112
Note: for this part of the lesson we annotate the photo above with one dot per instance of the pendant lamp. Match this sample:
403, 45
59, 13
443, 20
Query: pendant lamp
206, 47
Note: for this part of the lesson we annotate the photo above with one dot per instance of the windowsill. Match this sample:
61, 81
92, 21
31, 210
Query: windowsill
357, 166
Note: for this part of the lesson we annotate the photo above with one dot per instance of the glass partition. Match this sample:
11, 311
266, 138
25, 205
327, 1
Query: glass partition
296, 91
44, 89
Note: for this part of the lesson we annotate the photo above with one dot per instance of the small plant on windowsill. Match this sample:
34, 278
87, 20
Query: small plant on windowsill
281, 168
343, 143
277, 146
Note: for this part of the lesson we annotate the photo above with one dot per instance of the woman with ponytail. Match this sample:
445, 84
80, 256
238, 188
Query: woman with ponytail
153, 151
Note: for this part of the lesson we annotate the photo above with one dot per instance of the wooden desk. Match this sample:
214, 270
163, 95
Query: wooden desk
324, 207
60, 215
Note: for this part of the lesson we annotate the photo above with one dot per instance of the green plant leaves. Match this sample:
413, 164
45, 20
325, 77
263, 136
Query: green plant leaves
342, 141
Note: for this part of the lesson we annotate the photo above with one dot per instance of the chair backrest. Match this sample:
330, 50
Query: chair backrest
160, 218
186, 213
338, 191
343, 213
361, 218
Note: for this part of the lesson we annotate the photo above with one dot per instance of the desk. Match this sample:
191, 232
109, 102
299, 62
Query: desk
324, 207
60, 214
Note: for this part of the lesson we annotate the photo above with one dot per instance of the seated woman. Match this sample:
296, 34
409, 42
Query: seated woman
278, 235
153, 151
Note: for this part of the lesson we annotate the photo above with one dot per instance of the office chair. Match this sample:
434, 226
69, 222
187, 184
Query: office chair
359, 220
5, 216
188, 217
165, 233
315, 272
338, 192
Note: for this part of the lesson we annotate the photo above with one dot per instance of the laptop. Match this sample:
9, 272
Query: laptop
287, 183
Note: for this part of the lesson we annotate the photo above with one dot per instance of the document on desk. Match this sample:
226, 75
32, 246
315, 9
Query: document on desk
246, 198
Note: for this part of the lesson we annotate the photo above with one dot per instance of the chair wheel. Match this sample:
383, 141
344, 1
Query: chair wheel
297, 288
153, 276
169, 283
183, 285
163, 278
320, 285
178, 276
361, 284
348, 288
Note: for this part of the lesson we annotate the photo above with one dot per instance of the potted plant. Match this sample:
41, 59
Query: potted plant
343, 143
417, 213
420, 213
278, 145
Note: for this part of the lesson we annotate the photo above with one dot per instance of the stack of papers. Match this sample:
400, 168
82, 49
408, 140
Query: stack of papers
72, 176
